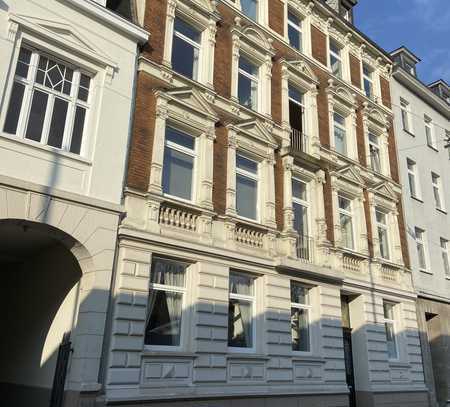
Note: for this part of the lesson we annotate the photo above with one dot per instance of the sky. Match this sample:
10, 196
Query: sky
423, 26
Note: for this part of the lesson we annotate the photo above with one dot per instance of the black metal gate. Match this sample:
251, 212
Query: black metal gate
348, 354
60, 371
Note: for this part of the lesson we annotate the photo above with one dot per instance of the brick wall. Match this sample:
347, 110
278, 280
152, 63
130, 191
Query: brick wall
368, 223
276, 92
403, 235
360, 136
155, 23
276, 16
328, 201
279, 191
220, 169
319, 45
355, 71
392, 148
322, 108
385, 92
222, 53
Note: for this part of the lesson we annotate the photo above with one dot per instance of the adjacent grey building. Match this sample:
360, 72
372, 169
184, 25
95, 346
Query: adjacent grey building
422, 127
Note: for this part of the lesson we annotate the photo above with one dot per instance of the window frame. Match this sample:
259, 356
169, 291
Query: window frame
247, 298
344, 128
386, 321
385, 227
436, 184
298, 28
420, 239
349, 214
338, 57
254, 177
444, 243
369, 79
376, 146
405, 115
184, 150
30, 85
256, 105
429, 133
175, 289
307, 307
413, 174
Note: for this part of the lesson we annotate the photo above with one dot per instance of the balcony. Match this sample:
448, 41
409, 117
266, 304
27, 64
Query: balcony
305, 248
299, 141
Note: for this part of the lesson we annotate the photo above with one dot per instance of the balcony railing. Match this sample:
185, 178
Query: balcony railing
249, 237
299, 141
305, 248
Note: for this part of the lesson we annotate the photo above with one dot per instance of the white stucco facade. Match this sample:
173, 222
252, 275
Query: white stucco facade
70, 194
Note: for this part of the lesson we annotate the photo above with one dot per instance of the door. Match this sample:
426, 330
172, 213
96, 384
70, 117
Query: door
348, 356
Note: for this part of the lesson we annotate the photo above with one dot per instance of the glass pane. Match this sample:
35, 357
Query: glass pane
334, 48
367, 71
240, 324
37, 116
246, 197
180, 138
83, 90
300, 330
346, 231
384, 245
187, 30
295, 94
368, 88
421, 255
295, 39
23, 63
293, 18
249, 8
381, 217
246, 164
412, 184
390, 339
299, 293
57, 125
299, 189
168, 272
335, 66
388, 310
177, 173
241, 284
375, 162
247, 66
14, 108
345, 204
184, 58
300, 219
77, 133
164, 323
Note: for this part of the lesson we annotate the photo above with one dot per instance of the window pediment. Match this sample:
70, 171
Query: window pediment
350, 174
376, 117
64, 34
197, 10
341, 94
255, 130
386, 194
254, 38
300, 69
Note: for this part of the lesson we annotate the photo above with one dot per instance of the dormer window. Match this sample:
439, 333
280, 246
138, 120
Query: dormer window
294, 31
335, 58
409, 67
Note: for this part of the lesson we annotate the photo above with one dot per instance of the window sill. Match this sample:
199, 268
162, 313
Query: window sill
163, 353
426, 272
184, 203
416, 198
443, 211
353, 253
397, 363
408, 132
246, 355
307, 358
51, 150
389, 263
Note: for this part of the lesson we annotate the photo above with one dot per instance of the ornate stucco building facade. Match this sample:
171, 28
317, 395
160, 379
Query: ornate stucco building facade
422, 115
263, 256
67, 71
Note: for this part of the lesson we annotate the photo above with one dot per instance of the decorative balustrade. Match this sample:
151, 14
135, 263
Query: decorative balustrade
351, 263
388, 273
305, 248
299, 141
248, 236
178, 218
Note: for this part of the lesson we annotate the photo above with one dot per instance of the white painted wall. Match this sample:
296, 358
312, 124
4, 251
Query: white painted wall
424, 214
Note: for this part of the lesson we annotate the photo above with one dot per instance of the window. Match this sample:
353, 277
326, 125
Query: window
374, 150
250, 8
340, 134
241, 310
165, 303
429, 133
294, 31
335, 59
382, 228
389, 324
411, 165
300, 310
421, 251
445, 259
300, 208
248, 83
185, 49
346, 222
246, 187
436, 182
178, 164
49, 102
409, 67
296, 109
404, 107
368, 81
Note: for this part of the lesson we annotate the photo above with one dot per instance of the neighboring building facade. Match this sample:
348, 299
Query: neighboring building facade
263, 256
422, 126
67, 80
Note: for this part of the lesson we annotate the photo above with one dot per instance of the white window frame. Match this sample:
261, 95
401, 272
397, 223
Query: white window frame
253, 177
339, 57
413, 175
349, 214
405, 115
376, 146
252, 300
420, 238
309, 308
345, 130
253, 79
298, 28
192, 153
368, 79
175, 289
388, 321
385, 227
445, 256
30, 85
429, 133
436, 183
303, 202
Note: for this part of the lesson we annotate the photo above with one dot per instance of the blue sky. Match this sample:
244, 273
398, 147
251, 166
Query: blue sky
423, 26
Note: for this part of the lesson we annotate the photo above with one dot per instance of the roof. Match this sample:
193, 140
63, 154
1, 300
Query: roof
409, 53
439, 82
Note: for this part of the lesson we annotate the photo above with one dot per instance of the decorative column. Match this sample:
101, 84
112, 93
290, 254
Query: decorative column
266, 74
306, 27
372, 214
206, 170
397, 255
346, 58
363, 242
155, 181
235, 60
167, 56
384, 146
288, 213
352, 142
335, 206
313, 121
321, 223
269, 190
231, 173
208, 61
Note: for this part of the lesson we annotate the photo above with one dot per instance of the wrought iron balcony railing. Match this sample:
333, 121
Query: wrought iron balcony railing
299, 141
305, 248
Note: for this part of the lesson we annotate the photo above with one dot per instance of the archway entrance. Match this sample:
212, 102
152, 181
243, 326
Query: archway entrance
39, 300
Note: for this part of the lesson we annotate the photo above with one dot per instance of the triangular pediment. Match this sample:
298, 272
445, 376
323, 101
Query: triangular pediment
192, 99
385, 190
256, 130
351, 174
63, 33
304, 69
205, 5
